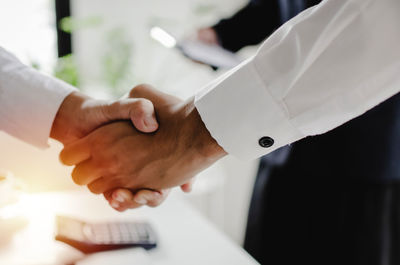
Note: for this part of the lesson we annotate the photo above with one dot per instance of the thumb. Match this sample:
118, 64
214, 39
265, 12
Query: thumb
139, 110
157, 97
143, 115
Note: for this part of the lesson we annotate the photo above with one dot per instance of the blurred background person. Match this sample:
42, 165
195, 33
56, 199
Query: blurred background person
329, 199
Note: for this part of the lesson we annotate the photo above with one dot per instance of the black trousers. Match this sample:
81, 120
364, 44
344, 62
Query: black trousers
312, 220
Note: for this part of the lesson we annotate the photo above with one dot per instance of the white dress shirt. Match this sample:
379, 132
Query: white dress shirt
328, 65
29, 100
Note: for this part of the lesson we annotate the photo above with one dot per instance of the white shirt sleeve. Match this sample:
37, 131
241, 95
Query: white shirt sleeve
29, 100
328, 65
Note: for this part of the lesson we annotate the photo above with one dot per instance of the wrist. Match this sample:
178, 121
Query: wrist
69, 114
200, 137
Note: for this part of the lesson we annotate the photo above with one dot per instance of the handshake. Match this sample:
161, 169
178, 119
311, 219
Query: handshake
134, 150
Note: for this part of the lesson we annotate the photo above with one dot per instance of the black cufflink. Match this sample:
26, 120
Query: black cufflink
266, 142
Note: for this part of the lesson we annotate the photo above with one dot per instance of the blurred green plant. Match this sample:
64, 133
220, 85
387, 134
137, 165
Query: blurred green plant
116, 61
204, 9
66, 69
35, 65
70, 24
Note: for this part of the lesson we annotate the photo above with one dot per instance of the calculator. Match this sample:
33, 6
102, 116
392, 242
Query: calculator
95, 237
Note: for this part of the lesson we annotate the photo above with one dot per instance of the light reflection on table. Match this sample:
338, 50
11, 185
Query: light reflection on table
185, 237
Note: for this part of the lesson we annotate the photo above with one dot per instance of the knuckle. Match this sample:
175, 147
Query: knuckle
139, 108
153, 203
137, 90
63, 157
125, 204
76, 177
164, 193
100, 159
142, 107
96, 189
113, 168
108, 195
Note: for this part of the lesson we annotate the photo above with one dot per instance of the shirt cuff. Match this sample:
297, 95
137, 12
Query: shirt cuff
242, 116
29, 103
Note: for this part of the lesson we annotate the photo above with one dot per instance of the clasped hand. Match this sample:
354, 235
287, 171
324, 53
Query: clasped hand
132, 164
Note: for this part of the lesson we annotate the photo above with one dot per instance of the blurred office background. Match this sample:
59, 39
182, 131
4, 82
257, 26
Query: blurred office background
112, 52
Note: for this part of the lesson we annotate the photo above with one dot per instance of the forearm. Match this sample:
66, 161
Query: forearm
323, 68
29, 100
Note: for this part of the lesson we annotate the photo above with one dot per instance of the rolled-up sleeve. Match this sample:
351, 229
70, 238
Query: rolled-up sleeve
328, 65
29, 100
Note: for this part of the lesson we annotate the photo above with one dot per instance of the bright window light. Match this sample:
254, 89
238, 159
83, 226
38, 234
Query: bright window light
163, 37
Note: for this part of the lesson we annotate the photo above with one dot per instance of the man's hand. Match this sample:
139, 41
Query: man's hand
123, 199
117, 156
79, 115
208, 36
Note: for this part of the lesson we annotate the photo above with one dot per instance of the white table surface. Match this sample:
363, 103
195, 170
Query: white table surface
185, 237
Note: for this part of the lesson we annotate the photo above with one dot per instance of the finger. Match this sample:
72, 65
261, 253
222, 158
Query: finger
122, 195
207, 35
116, 206
107, 195
123, 199
119, 207
187, 187
85, 173
101, 185
151, 198
75, 153
139, 110
143, 115
158, 98
113, 203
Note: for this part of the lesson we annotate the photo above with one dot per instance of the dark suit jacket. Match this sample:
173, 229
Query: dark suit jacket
257, 20
304, 183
